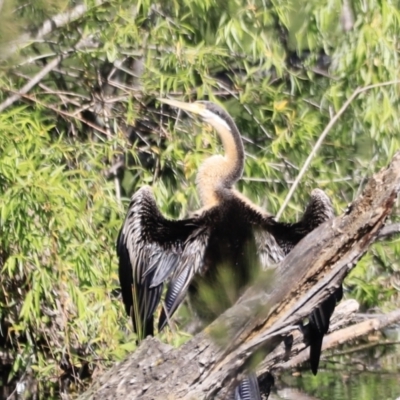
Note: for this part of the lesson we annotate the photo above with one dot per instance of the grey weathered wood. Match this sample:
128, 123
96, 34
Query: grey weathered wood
208, 365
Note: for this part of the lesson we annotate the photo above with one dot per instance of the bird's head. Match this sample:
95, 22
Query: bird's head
209, 112
217, 171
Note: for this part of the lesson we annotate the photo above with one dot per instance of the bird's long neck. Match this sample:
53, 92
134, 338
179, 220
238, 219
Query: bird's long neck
219, 173
234, 154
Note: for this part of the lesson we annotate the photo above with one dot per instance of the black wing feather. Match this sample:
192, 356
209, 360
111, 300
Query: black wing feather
147, 245
190, 263
248, 388
318, 210
150, 248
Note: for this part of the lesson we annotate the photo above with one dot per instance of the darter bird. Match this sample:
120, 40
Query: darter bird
222, 244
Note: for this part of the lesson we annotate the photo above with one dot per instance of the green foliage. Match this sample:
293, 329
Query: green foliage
58, 221
59, 210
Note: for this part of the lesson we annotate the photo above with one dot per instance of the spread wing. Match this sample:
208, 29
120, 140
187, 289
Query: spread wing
318, 210
319, 326
150, 248
190, 263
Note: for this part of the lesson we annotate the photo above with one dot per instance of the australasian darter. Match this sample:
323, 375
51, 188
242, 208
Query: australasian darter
226, 238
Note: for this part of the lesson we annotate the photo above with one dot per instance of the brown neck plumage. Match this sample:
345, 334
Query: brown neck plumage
219, 173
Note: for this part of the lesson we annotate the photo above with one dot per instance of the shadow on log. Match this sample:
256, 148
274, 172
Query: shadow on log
212, 362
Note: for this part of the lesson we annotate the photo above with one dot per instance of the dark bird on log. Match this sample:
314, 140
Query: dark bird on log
214, 253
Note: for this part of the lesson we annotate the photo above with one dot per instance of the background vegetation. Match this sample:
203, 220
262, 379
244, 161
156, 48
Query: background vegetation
80, 131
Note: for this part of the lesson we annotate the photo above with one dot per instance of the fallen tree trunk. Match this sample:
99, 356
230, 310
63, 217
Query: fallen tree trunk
209, 365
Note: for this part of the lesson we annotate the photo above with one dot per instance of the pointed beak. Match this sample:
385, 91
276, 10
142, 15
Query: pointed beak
195, 108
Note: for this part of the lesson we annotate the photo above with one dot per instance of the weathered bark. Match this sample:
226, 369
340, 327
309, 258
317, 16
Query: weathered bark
208, 365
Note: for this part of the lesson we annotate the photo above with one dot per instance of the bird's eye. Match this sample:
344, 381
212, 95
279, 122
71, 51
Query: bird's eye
217, 112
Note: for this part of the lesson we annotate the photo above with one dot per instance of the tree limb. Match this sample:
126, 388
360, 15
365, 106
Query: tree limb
47, 27
31, 83
389, 230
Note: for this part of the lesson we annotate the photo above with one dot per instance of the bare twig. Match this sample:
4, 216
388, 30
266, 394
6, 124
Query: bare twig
47, 27
31, 60
247, 108
367, 346
20, 382
327, 129
29, 85
389, 230
65, 97
39, 76
347, 16
66, 114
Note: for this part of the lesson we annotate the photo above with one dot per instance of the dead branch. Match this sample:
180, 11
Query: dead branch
346, 335
40, 75
209, 365
389, 230
367, 346
47, 27
31, 83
